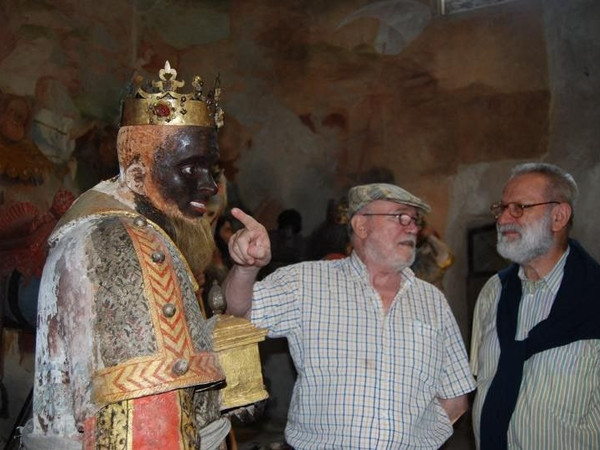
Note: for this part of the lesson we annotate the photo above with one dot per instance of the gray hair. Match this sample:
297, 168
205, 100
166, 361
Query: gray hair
561, 184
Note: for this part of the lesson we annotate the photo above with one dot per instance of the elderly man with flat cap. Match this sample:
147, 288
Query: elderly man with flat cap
380, 359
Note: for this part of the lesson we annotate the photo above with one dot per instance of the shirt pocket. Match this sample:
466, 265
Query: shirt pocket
423, 351
570, 381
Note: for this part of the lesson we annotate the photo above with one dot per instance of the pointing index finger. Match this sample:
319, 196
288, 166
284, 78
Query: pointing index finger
248, 221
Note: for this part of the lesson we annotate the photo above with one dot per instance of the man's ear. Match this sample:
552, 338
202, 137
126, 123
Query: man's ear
561, 215
358, 225
134, 178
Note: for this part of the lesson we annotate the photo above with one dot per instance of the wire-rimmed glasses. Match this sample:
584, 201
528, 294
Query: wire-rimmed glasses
515, 209
402, 218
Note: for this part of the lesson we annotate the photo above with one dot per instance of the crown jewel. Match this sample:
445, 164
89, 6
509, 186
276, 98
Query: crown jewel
161, 104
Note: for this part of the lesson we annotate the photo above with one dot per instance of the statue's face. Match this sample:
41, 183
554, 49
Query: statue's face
181, 182
12, 122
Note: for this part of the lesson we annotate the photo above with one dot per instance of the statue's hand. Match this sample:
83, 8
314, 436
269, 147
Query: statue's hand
249, 246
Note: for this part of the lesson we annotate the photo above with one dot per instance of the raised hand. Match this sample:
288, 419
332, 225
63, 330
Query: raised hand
249, 246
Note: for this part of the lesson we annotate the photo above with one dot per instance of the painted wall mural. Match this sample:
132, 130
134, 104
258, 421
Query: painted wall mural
328, 90
34, 191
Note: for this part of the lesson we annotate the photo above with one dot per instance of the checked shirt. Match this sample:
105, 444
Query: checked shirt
366, 379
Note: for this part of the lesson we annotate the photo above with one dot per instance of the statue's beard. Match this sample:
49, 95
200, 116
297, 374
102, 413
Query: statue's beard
195, 241
193, 237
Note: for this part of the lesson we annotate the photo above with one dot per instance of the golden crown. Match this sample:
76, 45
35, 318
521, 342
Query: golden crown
160, 104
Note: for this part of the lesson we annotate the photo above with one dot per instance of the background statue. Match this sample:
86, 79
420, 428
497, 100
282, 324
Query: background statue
433, 257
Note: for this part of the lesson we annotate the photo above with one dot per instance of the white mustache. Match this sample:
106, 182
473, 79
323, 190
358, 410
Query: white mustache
411, 241
508, 227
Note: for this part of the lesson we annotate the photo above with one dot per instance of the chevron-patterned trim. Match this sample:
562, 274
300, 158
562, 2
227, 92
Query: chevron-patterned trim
176, 364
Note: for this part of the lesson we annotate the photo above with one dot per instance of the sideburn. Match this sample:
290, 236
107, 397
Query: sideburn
147, 209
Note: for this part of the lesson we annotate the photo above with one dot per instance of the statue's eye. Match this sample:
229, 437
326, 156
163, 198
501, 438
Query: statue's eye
187, 170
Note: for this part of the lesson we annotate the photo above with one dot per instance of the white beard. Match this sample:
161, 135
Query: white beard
535, 240
378, 251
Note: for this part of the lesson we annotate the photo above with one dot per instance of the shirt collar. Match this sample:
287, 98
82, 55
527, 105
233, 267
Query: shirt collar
552, 279
359, 270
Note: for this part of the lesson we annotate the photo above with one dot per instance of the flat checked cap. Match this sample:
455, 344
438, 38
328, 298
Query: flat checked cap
360, 196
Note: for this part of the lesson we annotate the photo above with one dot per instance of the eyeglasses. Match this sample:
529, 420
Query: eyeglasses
402, 218
515, 209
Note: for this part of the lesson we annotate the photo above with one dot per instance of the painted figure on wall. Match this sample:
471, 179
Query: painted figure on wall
33, 193
21, 158
120, 332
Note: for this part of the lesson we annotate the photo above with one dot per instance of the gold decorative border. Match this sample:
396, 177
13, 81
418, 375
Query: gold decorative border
154, 374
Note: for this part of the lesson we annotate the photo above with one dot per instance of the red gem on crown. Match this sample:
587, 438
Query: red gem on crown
162, 110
